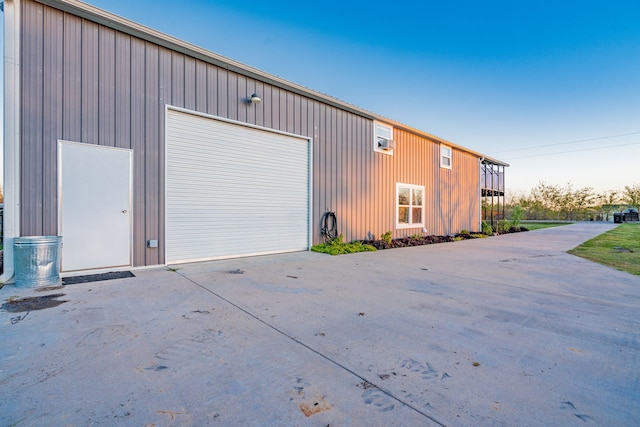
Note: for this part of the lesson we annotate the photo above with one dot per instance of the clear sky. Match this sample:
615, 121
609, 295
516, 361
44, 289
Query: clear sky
518, 80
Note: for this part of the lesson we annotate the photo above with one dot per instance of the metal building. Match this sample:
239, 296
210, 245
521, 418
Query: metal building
140, 149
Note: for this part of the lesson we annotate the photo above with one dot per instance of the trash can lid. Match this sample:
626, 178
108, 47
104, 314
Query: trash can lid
34, 240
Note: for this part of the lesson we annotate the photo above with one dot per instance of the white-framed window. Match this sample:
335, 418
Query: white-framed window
409, 205
445, 156
383, 138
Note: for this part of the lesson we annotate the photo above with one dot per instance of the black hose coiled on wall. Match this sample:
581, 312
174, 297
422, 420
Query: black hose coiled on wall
329, 228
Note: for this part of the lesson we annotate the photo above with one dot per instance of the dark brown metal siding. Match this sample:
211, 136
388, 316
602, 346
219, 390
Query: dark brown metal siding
88, 83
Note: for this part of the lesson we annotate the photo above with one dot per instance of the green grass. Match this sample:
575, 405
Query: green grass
538, 225
618, 248
338, 247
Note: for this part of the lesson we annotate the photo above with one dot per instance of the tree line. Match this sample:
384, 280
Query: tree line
555, 202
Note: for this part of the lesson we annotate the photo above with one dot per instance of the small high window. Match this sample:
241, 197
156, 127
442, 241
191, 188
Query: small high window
383, 138
409, 205
445, 156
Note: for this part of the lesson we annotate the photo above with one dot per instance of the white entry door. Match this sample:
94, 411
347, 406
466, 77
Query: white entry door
94, 206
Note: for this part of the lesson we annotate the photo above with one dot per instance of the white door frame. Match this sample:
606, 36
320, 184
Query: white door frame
126, 209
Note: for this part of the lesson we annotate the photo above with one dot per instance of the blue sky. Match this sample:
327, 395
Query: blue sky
499, 77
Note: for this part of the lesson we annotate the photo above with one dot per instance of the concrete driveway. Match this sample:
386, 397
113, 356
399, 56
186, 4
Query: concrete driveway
508, 331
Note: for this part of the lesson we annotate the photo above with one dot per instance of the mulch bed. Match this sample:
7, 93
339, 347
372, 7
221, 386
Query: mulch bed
403, 242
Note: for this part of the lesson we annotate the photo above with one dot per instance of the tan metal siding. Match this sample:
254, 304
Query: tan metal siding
459, 194
85, 82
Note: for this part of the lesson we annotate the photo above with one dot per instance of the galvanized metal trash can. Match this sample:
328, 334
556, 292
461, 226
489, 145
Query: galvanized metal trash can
37, 261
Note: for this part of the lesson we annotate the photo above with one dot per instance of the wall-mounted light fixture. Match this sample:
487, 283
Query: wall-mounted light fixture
255, 99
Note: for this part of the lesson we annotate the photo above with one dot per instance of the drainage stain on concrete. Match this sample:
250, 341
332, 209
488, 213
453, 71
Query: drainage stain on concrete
32, 303
309, 406
315, 406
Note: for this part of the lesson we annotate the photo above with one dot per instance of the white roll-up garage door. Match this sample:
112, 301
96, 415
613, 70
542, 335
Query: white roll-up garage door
233, 190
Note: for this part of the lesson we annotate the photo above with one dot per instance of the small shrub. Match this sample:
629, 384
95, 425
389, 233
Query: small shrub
515, 215
487, 228
387, 237
503, 226
464, 231
338, 247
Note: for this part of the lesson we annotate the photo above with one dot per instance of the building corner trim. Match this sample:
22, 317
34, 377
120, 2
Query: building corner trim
11, 134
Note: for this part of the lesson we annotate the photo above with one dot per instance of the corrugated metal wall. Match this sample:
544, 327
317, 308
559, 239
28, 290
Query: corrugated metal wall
84, 82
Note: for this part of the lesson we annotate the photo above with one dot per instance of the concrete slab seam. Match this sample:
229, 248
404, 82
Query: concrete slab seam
327, 358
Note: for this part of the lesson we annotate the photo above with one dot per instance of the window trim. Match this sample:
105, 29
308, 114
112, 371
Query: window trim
376, 148
411, 187
443, 156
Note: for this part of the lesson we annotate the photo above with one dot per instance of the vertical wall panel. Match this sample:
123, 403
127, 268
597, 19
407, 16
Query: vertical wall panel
152, 145
212, 90
32, 116
284, 107
342, 179
243, 105
138, 146
320, 153
90, 83
122, 91
346, 178
164, 95
106, 86
252, 111
177, 79
259, 89
72, 78
297, 114
367, 171
267, 108
333, 157
289, 125
316, 219
189, 83
273, 119
201, 86
52, 116
232, 100
223, 96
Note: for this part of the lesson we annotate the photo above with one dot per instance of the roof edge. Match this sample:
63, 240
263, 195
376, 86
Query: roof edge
116, 22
